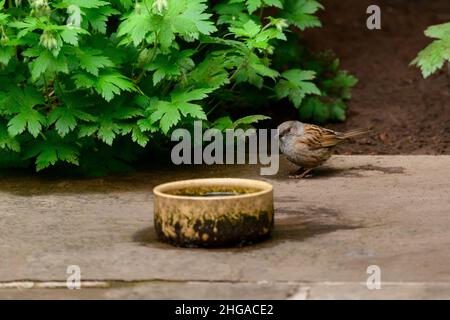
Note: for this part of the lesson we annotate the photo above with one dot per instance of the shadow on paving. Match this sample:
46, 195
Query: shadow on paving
287, 228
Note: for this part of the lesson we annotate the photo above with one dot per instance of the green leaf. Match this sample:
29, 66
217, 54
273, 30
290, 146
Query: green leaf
107, 84
248, 30
253, 70
232, 14
139, 136
440, 31
301, 13
253, 5
112, 84
249, 120
296, 86
46, 158
88, 4
46, 62
26, 26
48, 152
210, 73
433, 57
87, 130
171, 66
274, 3
31, 120
185, 18
169, 113
188, 18
222, 123
338, 111
340, 85
6, 53
98, 18
126, 3
7, 141
22, 103
107, 131
71, 34
135, 26
180, 96
64, 120
92, 61
146, 125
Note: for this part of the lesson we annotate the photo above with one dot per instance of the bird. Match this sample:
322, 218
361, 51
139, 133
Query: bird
309, 146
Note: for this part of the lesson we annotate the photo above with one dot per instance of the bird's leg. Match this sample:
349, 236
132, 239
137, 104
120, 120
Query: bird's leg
300, 173
297, 173
305, 173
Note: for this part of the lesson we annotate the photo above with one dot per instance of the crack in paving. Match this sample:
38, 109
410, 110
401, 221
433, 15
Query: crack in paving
302, 287
92, 284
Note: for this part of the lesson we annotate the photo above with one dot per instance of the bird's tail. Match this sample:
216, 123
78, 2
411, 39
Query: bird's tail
355, 133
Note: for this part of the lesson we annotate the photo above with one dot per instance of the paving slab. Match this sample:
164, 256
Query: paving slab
357, 211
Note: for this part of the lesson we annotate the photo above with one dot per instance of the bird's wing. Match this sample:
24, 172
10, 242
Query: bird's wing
318, 137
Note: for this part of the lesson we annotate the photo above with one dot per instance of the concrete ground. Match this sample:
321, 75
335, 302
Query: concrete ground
357, 211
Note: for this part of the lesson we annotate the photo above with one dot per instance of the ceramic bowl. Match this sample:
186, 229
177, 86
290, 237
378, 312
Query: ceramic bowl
213, 212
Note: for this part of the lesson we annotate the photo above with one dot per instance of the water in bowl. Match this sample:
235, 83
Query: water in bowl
213, 191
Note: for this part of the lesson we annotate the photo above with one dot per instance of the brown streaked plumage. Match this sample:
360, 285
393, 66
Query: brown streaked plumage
309, 146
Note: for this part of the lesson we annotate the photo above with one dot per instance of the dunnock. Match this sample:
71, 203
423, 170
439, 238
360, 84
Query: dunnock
309, 146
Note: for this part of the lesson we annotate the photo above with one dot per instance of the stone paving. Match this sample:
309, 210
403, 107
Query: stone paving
357, 211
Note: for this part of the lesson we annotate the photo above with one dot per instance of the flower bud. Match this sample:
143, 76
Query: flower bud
48, 41
4, 39
74, 18
138, 7
282, 24
36, 4
159, 6
39, 8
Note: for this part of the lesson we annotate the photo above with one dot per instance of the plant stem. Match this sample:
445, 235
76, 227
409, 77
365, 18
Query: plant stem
58, 83
45, 83
213, 108
148, 60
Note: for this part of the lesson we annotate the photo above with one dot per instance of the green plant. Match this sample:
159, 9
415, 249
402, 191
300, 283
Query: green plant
334, 84
436, 54
92, 83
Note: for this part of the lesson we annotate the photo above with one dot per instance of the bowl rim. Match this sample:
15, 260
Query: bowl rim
265, 186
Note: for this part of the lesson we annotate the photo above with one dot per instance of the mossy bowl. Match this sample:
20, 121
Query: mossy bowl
213, 212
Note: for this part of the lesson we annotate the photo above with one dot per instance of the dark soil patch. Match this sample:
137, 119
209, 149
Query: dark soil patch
411, 115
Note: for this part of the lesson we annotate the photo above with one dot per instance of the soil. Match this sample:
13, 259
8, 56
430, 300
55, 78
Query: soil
411, 115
